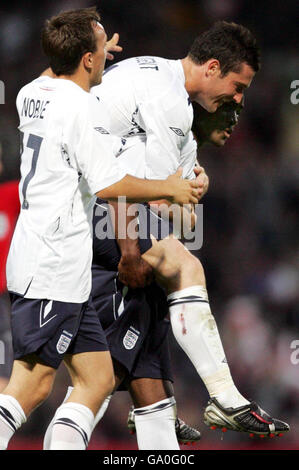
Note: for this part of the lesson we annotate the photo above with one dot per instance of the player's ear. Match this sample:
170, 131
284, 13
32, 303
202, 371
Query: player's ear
87, 60
212, 67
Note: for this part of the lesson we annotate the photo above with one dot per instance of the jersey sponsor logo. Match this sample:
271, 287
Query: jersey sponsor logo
64, 342
131, 338
101, 130
177, 131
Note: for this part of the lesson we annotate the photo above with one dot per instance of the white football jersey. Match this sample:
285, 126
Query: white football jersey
147, 102
68, 155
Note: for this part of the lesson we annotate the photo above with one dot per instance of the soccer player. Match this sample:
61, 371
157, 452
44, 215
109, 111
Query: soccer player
67, 158
143, 367
149, 101
213, 128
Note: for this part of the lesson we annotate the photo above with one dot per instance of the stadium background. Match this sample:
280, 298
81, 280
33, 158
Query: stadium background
251, 221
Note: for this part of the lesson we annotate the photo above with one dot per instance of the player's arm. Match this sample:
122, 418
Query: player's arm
97, 152
187, 212
169, 142
166, 121
188, 160
133, 271
174, 189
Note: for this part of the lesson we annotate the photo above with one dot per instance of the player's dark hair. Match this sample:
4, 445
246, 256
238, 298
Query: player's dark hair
67, 37
230, 43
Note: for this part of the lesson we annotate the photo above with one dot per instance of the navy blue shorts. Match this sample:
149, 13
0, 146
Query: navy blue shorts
133, 320
106, 252
51, 329
135, 325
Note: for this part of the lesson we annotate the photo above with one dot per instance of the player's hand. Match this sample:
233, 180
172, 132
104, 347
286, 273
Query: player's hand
202, 178
112, 46
134, 272
184, 191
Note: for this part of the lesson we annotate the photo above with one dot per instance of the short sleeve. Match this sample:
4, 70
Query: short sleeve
97, 150
167, 125
188, 156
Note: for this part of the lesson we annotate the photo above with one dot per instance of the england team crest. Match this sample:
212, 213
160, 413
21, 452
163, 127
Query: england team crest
63, 342
130, 339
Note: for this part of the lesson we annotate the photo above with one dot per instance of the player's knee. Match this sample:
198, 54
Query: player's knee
193, 269
43, 390
182, 263
108, 383
188, 269
111, 386
103, 383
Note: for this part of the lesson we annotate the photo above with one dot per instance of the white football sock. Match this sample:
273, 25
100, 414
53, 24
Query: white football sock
72, 427
195, 330
155, 426
12, 417
99, 416
102, 410
48, 434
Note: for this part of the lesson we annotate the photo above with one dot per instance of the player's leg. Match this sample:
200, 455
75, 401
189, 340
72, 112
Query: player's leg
90, 366
120, 374
41, 332
88, 389
93, 380
29, 385
195, 329
154, 413
148, 391
108, 300
97, 416
150, 385
192, 323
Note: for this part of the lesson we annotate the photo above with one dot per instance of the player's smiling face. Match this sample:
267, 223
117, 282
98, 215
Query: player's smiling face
220, 89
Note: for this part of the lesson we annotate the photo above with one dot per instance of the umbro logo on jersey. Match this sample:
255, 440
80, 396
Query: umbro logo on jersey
101, 130
177, 131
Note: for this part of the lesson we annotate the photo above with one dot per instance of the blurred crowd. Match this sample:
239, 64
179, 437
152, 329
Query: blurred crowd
251, 223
